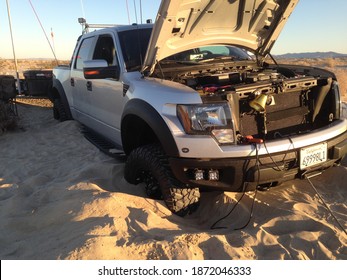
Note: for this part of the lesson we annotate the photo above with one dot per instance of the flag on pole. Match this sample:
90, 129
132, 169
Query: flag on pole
52, 35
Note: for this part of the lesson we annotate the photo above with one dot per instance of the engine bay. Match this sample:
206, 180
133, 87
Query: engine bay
271, 102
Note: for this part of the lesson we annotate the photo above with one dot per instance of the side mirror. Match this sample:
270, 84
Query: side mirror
99, 69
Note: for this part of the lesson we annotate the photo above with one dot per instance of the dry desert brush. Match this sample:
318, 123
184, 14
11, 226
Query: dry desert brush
8, 119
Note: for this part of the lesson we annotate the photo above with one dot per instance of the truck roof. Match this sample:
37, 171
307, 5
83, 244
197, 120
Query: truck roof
120, 28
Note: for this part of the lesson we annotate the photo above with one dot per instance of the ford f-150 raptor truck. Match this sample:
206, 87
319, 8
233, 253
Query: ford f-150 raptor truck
195, 104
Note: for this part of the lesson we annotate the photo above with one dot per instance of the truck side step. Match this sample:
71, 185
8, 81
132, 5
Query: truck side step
103, 144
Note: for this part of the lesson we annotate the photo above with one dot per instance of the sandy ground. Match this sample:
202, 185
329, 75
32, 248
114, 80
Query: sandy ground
61, 198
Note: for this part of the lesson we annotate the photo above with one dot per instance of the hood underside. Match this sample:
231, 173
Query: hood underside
186, 24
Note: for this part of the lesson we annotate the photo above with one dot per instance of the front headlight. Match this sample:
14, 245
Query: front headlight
344, 110
337, 101
208, 119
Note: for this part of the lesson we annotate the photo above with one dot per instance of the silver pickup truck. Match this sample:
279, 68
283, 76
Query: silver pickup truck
195, 105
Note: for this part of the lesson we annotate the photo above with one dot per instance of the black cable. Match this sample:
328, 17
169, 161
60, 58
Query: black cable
285, 155
326, 206
273, 161
256, 191
251, 214
232, 209
239, 200
257, 163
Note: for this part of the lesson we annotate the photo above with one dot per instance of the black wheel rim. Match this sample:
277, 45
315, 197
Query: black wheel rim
152, 186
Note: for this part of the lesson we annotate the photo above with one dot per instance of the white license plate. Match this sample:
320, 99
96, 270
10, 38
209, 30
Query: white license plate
313, 155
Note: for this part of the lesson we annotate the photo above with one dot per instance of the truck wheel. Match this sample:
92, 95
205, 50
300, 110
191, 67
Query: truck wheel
148, 164
59, 112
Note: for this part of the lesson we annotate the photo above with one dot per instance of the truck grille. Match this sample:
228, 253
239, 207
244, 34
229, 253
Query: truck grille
286, 115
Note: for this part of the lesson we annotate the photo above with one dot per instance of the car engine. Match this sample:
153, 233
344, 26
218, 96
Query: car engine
272, 102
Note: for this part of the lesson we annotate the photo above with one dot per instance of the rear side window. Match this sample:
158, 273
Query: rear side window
84, 52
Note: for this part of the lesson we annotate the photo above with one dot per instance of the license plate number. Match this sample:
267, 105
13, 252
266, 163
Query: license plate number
313, 155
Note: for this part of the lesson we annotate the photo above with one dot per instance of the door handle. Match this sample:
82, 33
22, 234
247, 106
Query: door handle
89, 86
72, 82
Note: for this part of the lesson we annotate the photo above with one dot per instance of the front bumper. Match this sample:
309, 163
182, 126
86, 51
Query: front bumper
256, 170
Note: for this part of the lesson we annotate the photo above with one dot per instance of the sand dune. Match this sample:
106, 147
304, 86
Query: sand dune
61, 198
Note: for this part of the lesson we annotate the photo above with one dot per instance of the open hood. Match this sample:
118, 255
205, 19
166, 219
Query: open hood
185, 24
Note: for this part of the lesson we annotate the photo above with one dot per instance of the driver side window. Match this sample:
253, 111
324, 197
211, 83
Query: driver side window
105, 49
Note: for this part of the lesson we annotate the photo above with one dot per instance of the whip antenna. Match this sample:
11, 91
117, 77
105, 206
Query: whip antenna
135, 11
128, 11
83, 12
141, 11
44, 32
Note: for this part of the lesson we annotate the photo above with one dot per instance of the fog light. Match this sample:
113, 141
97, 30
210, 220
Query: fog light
213, 175
199, 174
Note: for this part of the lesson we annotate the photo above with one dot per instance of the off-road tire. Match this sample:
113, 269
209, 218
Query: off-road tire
149, 164
59, 112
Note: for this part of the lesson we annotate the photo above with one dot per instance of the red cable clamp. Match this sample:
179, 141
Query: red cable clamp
251, 139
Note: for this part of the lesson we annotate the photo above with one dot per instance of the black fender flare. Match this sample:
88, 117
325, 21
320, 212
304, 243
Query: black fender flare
148, 114
58, 91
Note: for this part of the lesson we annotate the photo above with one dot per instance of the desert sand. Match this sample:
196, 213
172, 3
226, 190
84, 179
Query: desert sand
61, 198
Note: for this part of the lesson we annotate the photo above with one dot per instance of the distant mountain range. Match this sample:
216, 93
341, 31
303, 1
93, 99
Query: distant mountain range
310, 55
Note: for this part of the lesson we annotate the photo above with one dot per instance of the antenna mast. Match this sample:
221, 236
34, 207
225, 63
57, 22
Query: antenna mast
141, 11
44, 32
14, 52
135, 11
83, 12
128, 11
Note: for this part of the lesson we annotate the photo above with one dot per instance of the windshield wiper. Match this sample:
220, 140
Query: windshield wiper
227, 57
184, 62
199, 61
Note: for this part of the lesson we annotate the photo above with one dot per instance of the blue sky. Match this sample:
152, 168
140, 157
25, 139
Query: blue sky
315, 25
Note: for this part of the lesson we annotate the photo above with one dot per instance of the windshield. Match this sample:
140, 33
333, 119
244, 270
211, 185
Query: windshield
210, 53
134, 45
